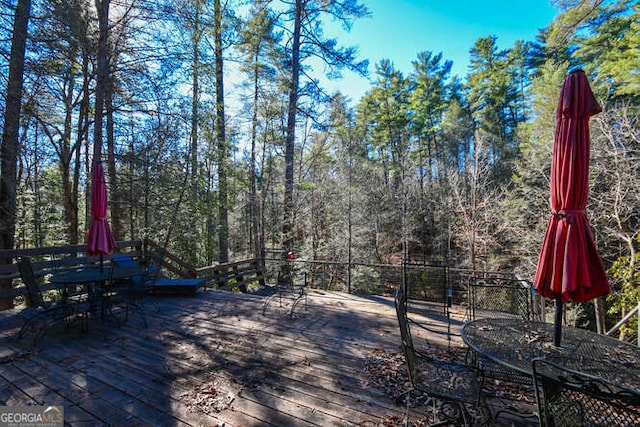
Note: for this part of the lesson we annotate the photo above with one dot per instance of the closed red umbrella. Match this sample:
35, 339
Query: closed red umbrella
569, 266
100, 240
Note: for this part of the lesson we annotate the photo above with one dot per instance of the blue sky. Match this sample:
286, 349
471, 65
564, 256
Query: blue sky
399, 29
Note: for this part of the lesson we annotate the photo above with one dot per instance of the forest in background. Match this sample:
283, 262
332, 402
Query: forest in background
220, 143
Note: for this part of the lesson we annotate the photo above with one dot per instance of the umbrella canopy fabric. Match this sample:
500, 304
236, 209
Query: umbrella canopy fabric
100, 241
569, 266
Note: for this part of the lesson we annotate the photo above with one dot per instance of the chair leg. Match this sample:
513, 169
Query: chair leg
85, 321
460, 414
136, 302
140, 306
408, 398
464, 414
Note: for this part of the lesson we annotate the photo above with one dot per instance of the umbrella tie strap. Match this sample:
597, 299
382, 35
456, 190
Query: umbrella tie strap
562, 213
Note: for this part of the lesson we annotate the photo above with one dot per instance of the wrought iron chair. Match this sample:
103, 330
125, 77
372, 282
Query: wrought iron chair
153, 260
41, 312
287, 289
499, 296
452, 384
128, 284
570, 398
493, 295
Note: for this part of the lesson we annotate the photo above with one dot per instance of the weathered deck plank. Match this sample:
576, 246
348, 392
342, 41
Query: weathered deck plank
272, 370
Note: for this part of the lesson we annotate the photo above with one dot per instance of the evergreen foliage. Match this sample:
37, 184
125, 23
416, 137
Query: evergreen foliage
442, 168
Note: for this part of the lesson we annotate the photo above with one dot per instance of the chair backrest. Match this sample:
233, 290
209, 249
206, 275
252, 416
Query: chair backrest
124, 261
146, 274
156, 255
285, 276
567, 397
29, 279
499, 296
405, 332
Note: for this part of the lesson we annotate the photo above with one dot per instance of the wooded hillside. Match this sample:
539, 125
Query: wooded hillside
220, 144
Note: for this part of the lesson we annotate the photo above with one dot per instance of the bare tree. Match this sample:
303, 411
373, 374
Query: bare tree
615, 171
306, 40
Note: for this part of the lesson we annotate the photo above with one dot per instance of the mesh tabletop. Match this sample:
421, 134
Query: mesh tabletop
515, 343
80, 276
93, 274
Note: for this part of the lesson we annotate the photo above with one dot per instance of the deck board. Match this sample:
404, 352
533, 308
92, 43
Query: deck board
263, 369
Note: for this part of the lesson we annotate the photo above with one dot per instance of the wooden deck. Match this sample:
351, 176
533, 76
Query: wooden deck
215, 359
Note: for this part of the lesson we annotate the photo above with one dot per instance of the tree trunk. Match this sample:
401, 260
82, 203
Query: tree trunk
221, 138
82, 131
66, 156
102, 6
195, 39
255, 208
116, 225
287, 228
598, 306
9, 148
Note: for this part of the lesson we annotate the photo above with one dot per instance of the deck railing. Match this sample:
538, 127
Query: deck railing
635, 313
438, 284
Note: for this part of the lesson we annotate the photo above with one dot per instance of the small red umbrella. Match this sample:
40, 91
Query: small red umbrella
569, 266
100, 240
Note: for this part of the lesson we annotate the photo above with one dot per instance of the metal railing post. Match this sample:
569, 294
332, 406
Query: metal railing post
635, 311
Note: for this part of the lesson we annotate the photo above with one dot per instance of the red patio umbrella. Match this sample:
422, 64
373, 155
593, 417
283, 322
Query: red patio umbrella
569, 266
100, 240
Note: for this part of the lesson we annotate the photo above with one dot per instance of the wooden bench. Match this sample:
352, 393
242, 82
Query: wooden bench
244, 275
177, 286
158, 283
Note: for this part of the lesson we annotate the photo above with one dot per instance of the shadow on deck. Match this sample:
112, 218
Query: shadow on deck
215, 359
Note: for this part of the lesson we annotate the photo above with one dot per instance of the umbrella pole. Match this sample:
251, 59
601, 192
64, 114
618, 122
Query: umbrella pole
557, 325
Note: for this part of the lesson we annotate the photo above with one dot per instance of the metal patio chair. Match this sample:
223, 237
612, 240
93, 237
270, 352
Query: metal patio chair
451, 384
128, 284
287, 289
500, 296
42, 313
569, 398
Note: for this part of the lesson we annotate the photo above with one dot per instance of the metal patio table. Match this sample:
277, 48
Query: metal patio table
81, 276
93, 278
93, 274
514, 343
